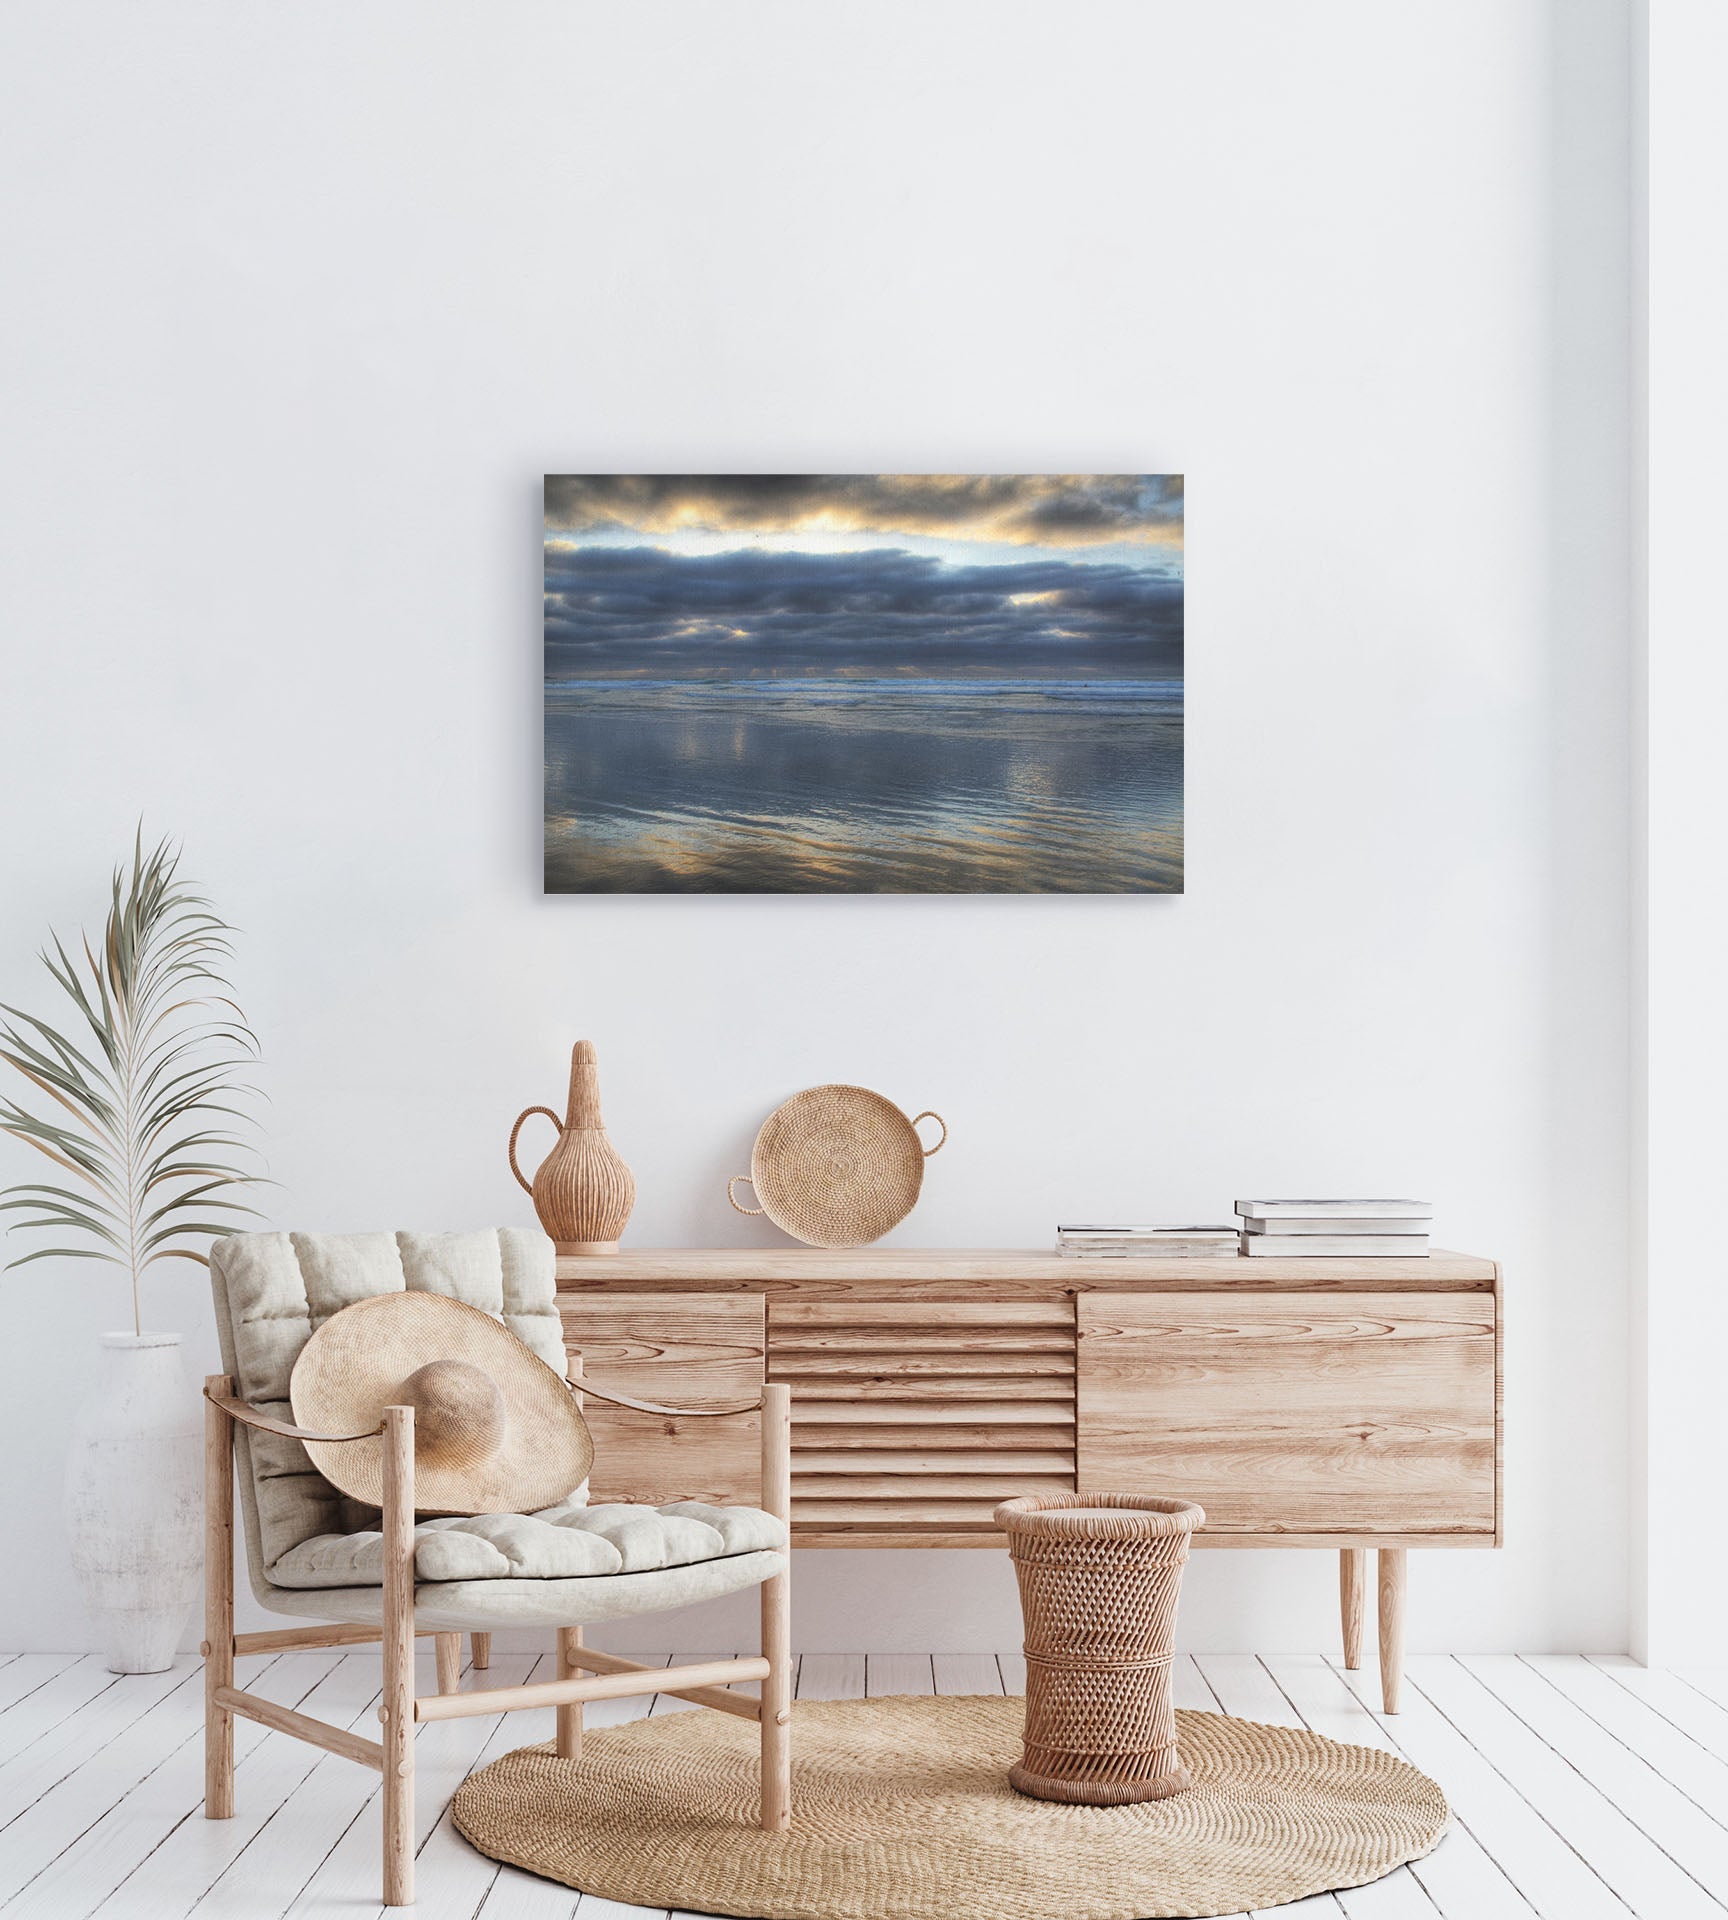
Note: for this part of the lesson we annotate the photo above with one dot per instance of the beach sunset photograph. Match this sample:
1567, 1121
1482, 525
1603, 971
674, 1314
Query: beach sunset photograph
878, 683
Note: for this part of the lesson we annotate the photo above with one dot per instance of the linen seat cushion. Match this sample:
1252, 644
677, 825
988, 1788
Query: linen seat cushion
479, 1606
571, 1540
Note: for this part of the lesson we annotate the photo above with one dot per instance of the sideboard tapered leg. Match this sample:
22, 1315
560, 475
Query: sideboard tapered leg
1392, 1573
1353, 1600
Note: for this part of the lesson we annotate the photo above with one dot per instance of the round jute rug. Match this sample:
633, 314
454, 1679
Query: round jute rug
902, 1811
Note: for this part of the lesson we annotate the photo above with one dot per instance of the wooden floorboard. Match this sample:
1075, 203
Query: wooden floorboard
1545, 1869
28, 1673
452, 1880
1188, 1686
68, 1851
224, 1863
53, 1688
1582, 1812
346, 1880
1609, 1748
1710, 1681
886, 1673
1694, 1759
1581, 1789
1677, 1697
963, 1673
90, 1875
1460, 1878
65, 1742
831, 1676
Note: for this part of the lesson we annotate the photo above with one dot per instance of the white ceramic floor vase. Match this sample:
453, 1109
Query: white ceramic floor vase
133, 1500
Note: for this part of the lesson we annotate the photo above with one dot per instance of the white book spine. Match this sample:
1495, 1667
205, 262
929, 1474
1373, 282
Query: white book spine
1294, 1229
1362, 1246
1335, 1209
1207, 1252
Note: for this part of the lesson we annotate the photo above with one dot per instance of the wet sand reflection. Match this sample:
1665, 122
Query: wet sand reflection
864, 787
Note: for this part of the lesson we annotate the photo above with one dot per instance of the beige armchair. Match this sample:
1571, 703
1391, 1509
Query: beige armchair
370, 1576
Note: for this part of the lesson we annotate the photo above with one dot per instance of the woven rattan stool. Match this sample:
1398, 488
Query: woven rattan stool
1099, 1578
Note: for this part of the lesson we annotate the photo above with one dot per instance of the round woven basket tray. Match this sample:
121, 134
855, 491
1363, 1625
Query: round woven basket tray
901, 1810
837, 1166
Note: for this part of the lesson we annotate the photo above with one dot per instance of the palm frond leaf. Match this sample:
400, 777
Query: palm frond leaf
56, 1253
139, 1097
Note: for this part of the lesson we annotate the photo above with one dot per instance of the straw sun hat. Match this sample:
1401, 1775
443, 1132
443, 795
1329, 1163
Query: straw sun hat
495, 1429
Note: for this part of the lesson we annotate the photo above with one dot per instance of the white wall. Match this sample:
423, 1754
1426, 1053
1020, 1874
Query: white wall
1680, 1455
303, 301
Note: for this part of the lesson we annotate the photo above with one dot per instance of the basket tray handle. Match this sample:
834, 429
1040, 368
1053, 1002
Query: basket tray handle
730, 1195
943, 1124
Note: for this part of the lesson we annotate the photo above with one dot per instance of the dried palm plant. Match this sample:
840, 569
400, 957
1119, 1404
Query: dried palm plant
145, 1090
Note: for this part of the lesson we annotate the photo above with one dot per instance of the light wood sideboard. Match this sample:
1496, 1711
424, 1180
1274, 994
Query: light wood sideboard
1348, 1404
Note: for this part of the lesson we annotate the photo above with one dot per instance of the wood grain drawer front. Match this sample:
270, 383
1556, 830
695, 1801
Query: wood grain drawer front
681, 1350
1336, 1413
913, 1418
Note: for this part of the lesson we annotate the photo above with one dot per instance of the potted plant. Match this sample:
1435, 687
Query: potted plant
135, 1100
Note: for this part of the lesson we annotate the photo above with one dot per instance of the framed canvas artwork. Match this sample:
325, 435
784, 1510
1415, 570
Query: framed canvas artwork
863, 683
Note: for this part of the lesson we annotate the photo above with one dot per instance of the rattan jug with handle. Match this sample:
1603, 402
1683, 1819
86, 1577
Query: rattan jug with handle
583, 1191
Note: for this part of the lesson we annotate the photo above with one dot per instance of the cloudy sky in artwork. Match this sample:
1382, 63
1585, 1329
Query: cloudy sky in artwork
863, 575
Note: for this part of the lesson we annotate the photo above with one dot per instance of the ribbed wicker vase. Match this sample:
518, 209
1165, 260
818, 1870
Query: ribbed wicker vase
583, 1192
1099, 1579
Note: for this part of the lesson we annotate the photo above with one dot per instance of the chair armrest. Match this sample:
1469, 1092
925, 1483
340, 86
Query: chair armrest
249, 1416
586, 1386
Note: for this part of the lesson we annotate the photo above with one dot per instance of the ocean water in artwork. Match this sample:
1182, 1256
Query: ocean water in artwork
863, 684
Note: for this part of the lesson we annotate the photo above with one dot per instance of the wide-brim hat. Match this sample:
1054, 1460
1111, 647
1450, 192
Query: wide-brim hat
496, 1430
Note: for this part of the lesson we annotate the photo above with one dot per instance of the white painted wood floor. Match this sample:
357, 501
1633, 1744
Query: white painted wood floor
1580, 1787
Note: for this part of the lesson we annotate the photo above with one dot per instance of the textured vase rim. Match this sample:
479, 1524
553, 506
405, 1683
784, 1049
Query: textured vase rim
125, 1341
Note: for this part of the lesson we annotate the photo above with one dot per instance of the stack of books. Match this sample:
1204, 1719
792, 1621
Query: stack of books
1150, 1243
1336, 1229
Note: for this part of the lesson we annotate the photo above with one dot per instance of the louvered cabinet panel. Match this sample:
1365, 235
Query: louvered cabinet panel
681, 1350
912, 1419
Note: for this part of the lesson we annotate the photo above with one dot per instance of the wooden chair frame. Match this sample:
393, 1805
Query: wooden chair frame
400, 1710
